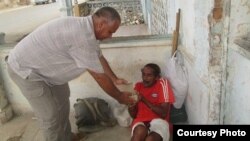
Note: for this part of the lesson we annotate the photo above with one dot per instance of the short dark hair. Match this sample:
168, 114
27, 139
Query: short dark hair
108, 12
155, 67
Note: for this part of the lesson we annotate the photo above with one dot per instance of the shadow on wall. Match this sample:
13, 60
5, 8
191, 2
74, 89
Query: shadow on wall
243, 41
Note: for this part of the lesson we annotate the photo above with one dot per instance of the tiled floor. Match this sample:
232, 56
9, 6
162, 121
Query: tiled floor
25, 128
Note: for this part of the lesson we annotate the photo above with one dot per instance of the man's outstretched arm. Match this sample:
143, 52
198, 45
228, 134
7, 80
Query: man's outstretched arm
108, 86
110, 73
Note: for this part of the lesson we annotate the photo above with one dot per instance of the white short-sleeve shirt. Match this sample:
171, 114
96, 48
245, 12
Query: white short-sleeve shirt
57, 51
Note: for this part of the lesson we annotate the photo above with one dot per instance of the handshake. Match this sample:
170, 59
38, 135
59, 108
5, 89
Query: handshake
129, 88
135, 96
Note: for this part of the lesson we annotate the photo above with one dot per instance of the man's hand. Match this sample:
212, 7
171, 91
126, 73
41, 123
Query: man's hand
120, 81
125, 98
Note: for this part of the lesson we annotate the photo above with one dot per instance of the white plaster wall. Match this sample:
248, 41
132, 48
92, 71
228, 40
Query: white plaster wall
203, 100
125, 57
194, 43
237, 106
197, 100
194, 32
200, 38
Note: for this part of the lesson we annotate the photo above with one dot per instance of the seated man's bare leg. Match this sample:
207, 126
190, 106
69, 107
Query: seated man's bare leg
140, 133
153, 137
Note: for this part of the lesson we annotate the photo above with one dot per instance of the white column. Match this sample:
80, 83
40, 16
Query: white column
171, 12
66, 7
143, 5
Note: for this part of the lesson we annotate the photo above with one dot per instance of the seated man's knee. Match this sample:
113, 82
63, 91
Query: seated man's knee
140, 129
153, 137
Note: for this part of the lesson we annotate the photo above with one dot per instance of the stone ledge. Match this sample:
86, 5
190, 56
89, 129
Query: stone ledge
137, 41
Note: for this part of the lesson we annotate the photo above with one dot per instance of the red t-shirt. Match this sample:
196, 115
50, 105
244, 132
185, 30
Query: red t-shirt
159, 93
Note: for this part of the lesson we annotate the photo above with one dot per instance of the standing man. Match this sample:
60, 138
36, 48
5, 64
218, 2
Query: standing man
151, 112
45, 61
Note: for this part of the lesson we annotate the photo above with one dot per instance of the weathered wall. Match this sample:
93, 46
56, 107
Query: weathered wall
202, 99
202, 59
237, 106
126, 57
214, 38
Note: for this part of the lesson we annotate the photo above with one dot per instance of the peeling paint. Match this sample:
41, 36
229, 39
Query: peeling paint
246, 4
217, 13
217, 37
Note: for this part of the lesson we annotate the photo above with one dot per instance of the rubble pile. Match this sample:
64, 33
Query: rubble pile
131, 18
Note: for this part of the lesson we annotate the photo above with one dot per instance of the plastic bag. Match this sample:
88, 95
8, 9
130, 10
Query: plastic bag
122, 115
177, 75
120, 111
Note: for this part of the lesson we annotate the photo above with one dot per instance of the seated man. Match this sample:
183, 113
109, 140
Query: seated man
151, 113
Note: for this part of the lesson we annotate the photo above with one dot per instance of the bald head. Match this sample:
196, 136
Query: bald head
106, 21
108, 13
